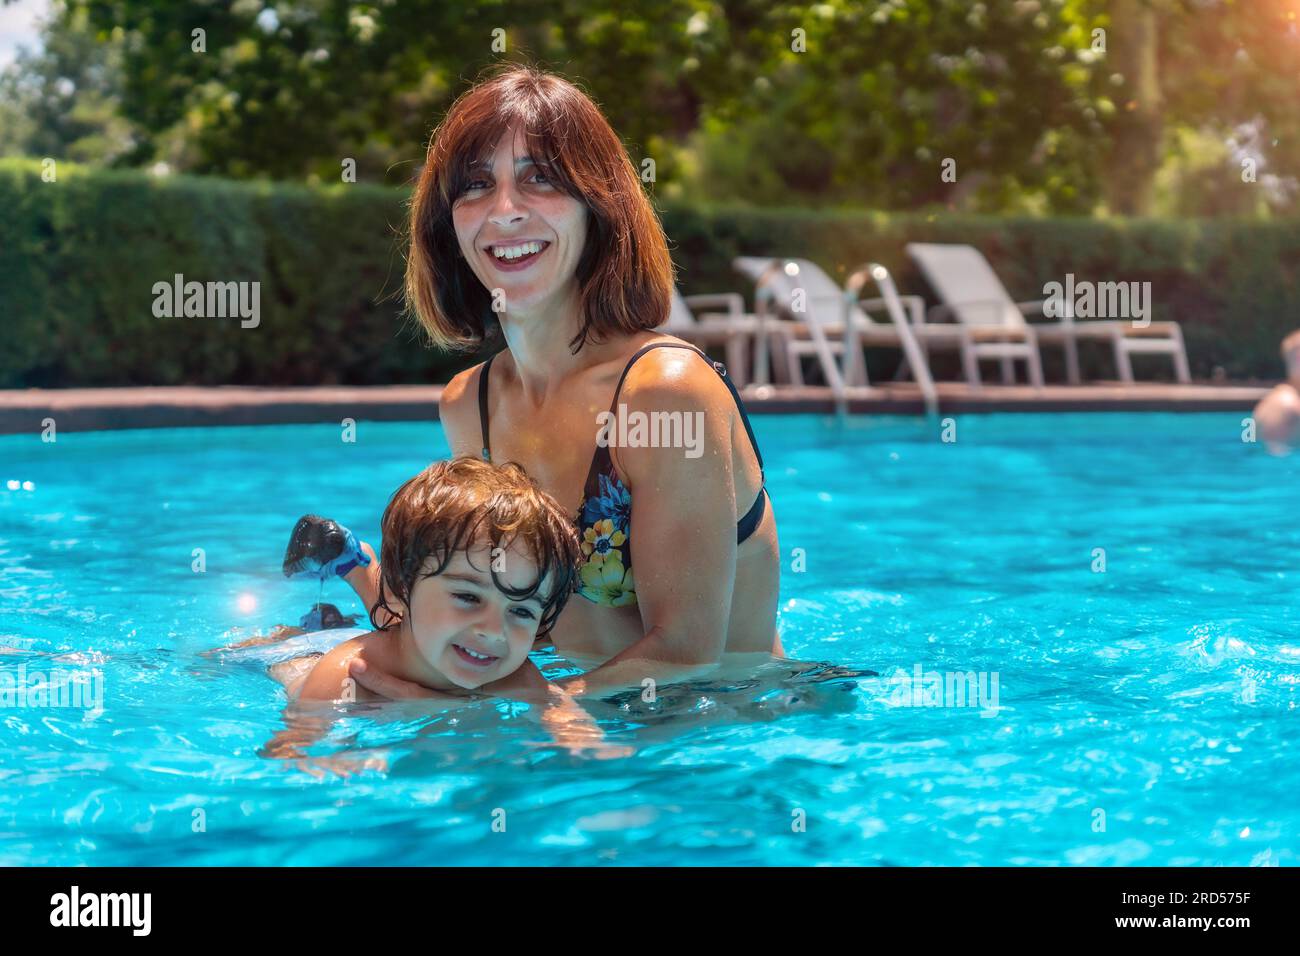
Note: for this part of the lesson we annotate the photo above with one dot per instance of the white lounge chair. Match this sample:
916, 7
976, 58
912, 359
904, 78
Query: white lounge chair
730, 328
991, 325
811, 310
973, 294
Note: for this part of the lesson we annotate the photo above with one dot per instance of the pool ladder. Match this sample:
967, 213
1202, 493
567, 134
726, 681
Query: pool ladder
855, 371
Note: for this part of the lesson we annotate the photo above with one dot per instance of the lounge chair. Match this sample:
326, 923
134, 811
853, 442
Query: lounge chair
973, 294
991, 325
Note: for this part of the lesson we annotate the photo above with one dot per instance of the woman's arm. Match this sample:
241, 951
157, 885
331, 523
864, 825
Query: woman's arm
684, 515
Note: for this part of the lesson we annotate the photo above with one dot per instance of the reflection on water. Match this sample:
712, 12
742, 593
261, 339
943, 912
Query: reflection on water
1162, 692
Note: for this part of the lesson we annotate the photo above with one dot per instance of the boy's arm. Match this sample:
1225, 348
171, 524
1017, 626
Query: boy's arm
302, 729
526, 684
304, 726
558, 711
308, 719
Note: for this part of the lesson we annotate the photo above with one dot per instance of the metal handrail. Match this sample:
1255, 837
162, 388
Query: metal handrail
907, 337
764, 298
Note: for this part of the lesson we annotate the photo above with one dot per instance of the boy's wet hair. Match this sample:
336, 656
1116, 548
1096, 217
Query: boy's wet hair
465, 503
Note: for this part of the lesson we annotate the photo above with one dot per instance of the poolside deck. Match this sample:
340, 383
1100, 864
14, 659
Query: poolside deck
97, 409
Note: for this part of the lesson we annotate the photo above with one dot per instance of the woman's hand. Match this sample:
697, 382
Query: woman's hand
386, 685
646, 660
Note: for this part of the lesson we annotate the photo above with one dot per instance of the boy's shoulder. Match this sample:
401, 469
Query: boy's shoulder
329, 678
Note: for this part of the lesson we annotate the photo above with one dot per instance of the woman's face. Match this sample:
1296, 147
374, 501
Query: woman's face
521, 234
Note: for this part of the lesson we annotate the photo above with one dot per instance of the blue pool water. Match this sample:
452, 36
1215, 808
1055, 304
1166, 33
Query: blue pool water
1146, 714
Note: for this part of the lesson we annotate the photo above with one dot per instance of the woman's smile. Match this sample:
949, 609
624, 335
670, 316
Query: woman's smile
516, 256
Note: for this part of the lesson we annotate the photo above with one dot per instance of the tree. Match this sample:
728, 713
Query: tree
1207, 65
992, 105
63, 101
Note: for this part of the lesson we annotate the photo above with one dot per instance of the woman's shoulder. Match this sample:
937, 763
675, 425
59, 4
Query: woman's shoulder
458, 406
672, 378
461, 390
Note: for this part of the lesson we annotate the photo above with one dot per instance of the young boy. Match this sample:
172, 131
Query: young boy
477, 562
1277, 416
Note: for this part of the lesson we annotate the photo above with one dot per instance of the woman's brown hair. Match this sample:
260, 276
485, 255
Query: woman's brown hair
625, 275
464, 503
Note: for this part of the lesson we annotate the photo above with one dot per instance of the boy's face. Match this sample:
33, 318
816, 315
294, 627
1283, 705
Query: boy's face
467, 629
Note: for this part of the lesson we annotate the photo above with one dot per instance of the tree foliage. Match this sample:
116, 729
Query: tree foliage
1036, 105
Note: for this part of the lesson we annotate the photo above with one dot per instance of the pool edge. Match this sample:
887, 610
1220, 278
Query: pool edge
24, 411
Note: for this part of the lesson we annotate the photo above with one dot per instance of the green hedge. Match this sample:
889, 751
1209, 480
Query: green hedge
79, 257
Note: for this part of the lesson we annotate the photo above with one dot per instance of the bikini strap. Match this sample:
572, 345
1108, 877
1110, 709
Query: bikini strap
717, 367
483, 404
722, 372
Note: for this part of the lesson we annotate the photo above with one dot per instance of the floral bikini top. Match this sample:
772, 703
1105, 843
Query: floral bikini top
604, 518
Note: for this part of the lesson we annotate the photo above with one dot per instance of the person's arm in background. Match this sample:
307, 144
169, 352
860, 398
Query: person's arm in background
1277, 418
684, 515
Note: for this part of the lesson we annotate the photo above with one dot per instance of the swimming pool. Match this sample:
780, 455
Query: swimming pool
1145, 713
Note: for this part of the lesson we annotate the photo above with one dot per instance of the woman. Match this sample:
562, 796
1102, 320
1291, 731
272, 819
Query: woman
529, 224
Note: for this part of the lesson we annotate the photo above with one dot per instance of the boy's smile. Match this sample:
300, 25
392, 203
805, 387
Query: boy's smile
461, 629
475, 659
